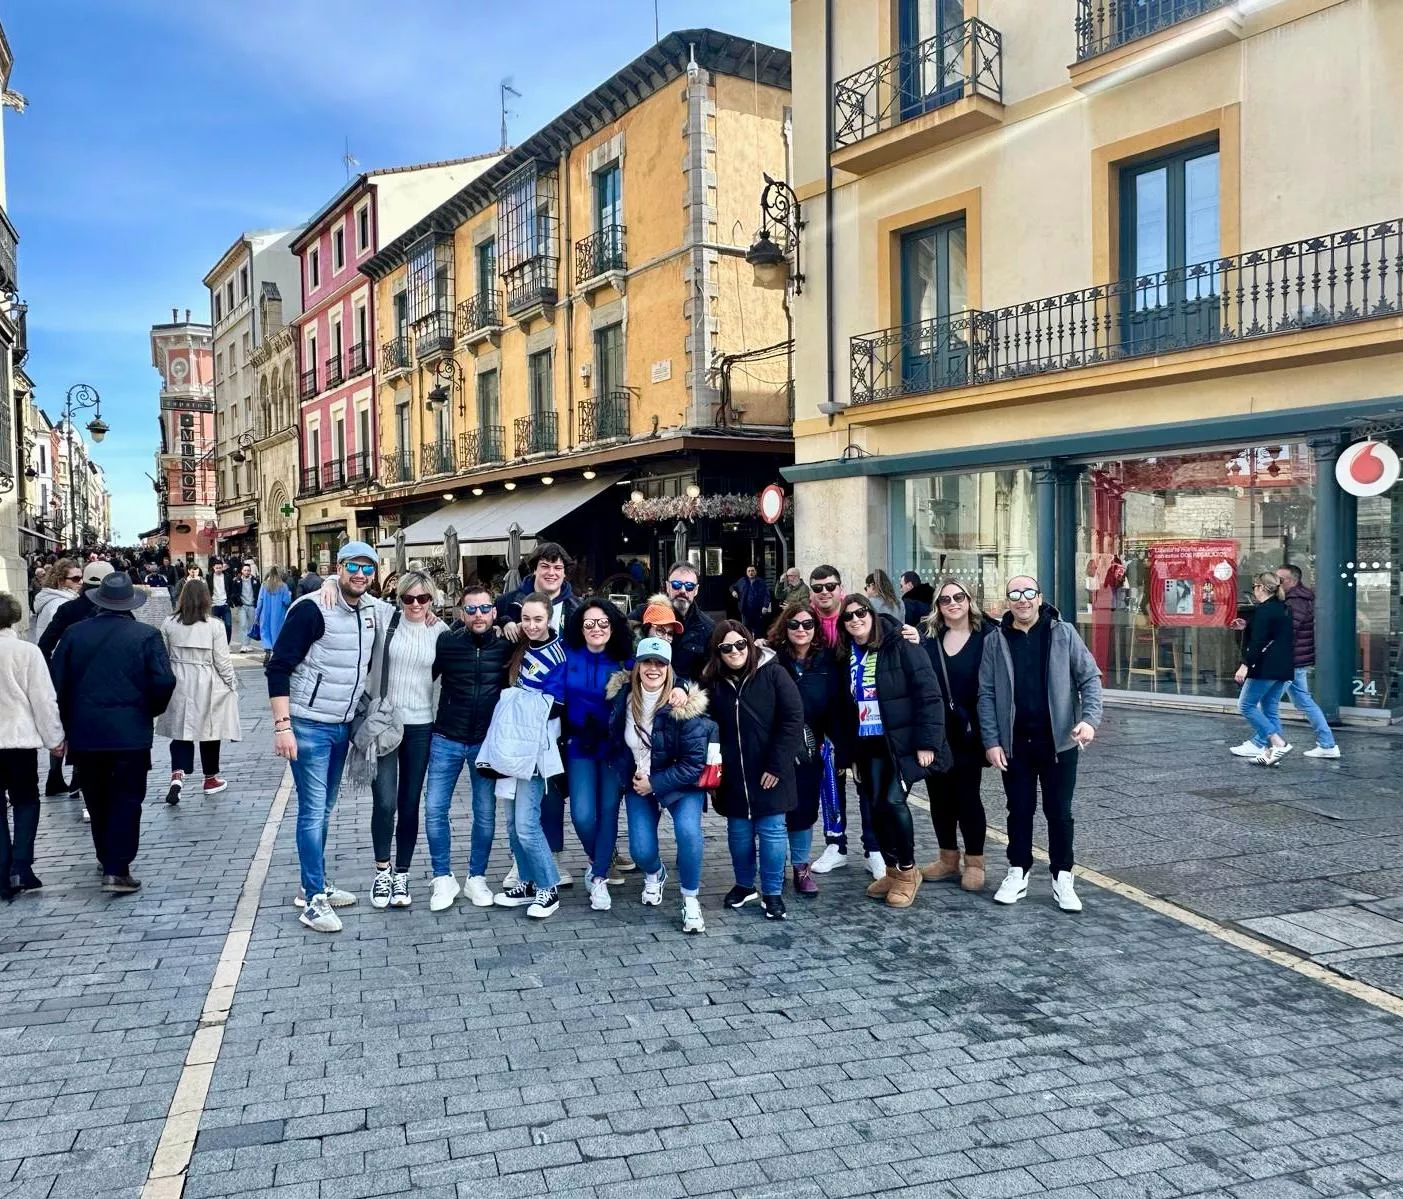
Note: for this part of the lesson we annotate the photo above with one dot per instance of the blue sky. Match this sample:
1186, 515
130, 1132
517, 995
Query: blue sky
159, 129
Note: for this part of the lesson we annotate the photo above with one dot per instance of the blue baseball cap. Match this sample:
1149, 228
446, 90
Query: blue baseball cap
654, 648
357, 549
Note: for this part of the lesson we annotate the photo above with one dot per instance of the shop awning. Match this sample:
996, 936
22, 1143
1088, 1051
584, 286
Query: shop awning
481, 523
231, 532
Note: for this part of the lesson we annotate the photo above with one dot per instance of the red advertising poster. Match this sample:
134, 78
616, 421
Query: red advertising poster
1192, 583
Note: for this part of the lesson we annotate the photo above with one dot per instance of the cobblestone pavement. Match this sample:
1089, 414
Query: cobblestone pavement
957, 1049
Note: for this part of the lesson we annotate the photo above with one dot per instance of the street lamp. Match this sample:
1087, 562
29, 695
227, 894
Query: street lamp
80, 396
779, 207
244, 442
447, 375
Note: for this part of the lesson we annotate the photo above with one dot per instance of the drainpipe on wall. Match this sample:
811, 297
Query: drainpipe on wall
830, 313
569, 301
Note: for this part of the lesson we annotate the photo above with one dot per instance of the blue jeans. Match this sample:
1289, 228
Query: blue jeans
534, 860
644, 812
769, 831
1298, 692
595, 795
316, 773
1258, 704
801, 844
446, 761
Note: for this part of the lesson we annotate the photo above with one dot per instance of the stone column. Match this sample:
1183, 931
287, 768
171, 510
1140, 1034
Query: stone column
1331, 671
1065, 574
1045, 500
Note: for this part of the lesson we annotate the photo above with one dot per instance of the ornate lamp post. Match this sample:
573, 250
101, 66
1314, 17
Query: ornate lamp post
448, 376
80, 396
776, 261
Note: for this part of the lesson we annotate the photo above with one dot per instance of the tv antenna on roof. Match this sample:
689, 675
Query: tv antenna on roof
350, 160
507, 90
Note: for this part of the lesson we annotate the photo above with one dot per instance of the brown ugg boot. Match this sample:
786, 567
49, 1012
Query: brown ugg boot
880, 888
973, 877
904, 888
945, 866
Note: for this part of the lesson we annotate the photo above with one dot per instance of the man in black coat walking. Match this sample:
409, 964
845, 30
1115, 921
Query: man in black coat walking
113, 678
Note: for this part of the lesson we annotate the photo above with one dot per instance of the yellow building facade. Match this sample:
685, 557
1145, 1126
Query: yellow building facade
554, 338
1102, 293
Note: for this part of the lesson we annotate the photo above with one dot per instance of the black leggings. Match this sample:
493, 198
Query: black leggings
955, 802
879, 782
183, 757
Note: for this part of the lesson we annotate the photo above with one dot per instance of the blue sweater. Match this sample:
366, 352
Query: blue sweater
543, 669
586, 707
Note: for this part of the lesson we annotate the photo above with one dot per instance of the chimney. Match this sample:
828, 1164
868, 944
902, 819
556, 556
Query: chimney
175, 316
187, 316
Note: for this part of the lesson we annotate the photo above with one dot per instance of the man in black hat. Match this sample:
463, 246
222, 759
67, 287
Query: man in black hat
113, 678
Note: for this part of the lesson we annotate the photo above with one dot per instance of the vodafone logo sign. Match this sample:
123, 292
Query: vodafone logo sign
1367, 468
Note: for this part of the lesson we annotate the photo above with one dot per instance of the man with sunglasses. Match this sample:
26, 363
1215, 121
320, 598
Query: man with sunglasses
1039, 704
691, 647
315, 679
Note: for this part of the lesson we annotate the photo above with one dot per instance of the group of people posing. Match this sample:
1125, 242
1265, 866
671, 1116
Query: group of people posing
551, 700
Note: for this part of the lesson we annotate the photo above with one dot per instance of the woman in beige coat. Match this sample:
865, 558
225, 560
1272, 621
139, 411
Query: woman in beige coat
205, 706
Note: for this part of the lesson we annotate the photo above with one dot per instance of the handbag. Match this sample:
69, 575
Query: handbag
710, 777
255, 633
376, 730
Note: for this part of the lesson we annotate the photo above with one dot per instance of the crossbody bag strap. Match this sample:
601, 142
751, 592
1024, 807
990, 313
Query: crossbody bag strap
944, 674
385, 655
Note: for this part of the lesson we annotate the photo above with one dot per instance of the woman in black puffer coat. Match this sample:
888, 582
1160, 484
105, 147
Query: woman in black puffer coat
760, 720
1267, 667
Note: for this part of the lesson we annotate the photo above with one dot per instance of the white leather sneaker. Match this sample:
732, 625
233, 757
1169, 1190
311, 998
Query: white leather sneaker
1064, 892
876, 865
830, 859
478, 891
446, 890
1014, 886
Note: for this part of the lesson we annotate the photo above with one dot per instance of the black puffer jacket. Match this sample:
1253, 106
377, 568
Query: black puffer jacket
822, 687
761, 725
1268, 649
473, 668
691, 648
1300, 602
913, 709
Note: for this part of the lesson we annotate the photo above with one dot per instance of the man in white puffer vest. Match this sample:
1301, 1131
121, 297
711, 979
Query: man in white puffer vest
315, 679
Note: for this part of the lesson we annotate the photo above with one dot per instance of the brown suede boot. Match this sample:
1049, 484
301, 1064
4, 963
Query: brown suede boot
904, 888
945, 866
879, 888
973, 877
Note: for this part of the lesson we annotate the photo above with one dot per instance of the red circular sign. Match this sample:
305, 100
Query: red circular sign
772, 503
1367, 468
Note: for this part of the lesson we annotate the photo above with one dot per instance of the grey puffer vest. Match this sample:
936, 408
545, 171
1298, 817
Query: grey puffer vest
327, 684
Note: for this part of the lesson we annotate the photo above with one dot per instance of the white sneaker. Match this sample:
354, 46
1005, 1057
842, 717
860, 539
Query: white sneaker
511, 879
380, 890
653, 887
830, 859
446, 890
1321, 752
1248, 749
87, 816
565, 879
1014, 886
692, 919
599, 894
1271, 756
399, 890
478, 891
318, 915
337, 897
546, 903
1064, 892
876, 865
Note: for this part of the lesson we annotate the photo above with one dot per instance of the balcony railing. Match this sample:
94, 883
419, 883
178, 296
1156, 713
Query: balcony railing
479, 447
604, 418
357, 360
436, 458
434, 335
1105, 24
307, 387
397, 468
311, 481
965, 60
357, 467
1333, 279
394, 355
601, 252
333, 476
531, 283
536, 434
482, 311
334, 374
9, 258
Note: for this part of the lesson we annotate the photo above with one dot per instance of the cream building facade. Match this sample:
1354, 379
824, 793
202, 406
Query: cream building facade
274, 449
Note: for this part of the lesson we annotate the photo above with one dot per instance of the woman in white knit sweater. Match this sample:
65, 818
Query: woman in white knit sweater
399, 780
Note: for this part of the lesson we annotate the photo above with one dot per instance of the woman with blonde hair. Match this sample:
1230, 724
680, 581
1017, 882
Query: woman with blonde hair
205, 706
273, 602
62, 581
1268, 666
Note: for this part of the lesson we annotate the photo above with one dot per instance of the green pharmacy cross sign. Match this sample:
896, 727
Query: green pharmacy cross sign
288, 511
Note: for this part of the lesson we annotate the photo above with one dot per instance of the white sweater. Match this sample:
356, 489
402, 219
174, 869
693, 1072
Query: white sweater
28, 708
410, 669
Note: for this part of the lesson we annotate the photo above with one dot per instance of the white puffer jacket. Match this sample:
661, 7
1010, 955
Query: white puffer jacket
28, 708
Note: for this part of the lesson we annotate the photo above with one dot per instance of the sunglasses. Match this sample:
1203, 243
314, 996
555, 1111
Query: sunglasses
949, 601
416, 600
658, 631
470, 609
74, 579
1025, 593
829, 587
855, 614
600, 623
733, 647
681, 585
359, 568
800, 624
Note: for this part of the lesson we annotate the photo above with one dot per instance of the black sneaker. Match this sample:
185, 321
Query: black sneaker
26, 880
774, 907
519, 896
173, 795
547, 901
738, 896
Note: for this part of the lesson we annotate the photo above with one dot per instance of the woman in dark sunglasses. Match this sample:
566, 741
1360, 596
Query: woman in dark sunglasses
954, 642
896, 716
804, 651
760, 720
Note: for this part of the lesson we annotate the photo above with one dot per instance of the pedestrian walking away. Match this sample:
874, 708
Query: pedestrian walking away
1300, 601
1267, 670
205, 706
274, 599
316, 677
954, 642
916, 597
112, 678
29, 722
897, 722
1039, 705
760, 725
660, 747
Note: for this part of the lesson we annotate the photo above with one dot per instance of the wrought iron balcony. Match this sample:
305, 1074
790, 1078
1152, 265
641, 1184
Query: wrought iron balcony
397, 468
479, 447
357, 467
333, 370
536, 434
436, 458
311, 481
482, 311
357, 360
307, 386
604, 418
965, 60
394, 356
433, 336
531, 283
9, 254
333, 476
1105, 24
1334, 279
600, 253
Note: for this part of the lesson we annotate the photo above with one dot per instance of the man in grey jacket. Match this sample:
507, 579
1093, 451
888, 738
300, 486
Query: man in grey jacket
1039, 704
